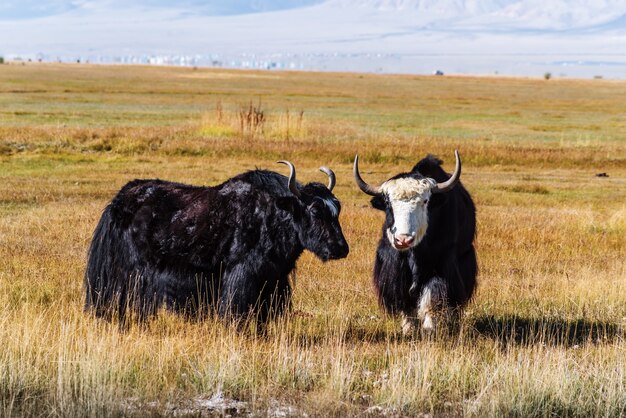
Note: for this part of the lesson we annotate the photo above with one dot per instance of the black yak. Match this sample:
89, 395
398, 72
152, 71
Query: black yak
228, 248
425, 262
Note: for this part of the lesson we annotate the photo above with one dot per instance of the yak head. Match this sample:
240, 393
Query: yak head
316, 215
404, 198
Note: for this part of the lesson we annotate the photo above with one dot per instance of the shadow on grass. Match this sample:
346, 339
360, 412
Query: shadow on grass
505, 329
353, 335
549, 331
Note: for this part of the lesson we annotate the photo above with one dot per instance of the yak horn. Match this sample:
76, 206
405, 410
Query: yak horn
331, 177
366, 188
292, 177
453, 180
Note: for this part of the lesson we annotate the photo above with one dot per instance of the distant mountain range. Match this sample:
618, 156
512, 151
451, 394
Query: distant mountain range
370, 35
24, 9
530, 14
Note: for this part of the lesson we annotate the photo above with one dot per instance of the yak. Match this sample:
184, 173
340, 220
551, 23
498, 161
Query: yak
425, 267
227, 249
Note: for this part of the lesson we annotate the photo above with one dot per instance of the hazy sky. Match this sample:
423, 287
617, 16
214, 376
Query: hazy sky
466, 36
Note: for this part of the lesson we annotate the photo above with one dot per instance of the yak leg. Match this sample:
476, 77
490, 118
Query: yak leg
432, 303
408, 323
252, 292
239, 293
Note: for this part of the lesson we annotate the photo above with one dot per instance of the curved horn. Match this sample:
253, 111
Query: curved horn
366, 188
292, 177
331, 177
454, 178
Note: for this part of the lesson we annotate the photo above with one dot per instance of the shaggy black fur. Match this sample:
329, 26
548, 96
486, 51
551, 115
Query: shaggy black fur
446, 251
230, 247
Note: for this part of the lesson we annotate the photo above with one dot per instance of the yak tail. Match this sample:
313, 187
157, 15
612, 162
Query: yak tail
109, 273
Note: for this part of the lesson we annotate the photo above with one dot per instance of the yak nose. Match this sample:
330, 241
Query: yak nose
338, 251
343, 250
404, 240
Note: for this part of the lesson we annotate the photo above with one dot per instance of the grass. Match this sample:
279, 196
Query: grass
544, 335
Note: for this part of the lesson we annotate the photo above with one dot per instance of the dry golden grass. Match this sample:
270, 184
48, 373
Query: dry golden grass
544, 335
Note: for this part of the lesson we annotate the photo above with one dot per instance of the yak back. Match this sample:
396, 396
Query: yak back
206, 227
430, 166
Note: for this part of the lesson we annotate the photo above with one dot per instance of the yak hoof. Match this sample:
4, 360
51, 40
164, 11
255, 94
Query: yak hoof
428, 325
408, 325
425, 325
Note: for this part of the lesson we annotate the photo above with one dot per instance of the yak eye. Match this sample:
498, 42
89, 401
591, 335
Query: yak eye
315, 209
425, 201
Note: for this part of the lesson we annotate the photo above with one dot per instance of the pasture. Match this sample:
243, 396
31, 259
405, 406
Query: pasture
544, 335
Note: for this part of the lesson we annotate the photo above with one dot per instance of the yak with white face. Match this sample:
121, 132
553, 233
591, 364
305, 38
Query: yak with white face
425, 261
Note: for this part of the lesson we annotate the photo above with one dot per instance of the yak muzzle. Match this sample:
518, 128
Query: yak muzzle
403, 242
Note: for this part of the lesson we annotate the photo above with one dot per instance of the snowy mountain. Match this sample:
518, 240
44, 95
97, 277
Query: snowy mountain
574, 37
518, 14
557, 14
24, 9
447, 7
529, 14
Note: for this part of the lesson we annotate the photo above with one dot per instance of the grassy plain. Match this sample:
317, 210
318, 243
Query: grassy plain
544, 335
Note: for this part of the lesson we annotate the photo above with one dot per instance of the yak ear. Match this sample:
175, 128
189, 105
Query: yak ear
378, 202
286, 203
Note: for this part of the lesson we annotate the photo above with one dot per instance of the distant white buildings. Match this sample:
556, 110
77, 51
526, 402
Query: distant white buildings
244, 61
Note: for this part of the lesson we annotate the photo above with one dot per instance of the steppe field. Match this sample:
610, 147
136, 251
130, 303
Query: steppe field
544, 335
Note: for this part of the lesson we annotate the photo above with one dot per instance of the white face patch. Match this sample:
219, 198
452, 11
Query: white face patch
408, 198
334, 210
